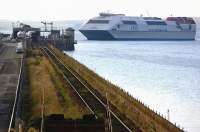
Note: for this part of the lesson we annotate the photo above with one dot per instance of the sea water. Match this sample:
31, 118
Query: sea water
165, 75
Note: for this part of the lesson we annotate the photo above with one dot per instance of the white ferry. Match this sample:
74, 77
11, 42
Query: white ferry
109, 26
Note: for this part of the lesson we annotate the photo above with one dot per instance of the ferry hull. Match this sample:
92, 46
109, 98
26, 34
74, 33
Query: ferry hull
138, 35
97, 35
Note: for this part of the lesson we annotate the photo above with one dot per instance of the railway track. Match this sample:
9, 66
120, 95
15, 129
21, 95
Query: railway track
95, 103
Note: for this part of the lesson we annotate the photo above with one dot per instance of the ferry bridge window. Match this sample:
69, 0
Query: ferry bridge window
156, 23
130, 22
99, 21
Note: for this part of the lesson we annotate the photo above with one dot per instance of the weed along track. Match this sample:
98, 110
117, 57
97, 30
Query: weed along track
93, 101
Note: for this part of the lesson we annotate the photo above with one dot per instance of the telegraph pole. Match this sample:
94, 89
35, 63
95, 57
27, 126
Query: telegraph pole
51, 23
108, 123
42, 110
168, 114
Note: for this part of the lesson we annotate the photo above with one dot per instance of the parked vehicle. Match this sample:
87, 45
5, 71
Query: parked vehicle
19, 48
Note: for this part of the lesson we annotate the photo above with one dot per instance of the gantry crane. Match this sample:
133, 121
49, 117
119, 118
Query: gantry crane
45, 26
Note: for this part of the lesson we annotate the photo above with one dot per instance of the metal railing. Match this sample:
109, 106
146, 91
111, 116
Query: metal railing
16, 101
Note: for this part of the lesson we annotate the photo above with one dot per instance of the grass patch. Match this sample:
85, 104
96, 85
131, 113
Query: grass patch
66, 95
58, 96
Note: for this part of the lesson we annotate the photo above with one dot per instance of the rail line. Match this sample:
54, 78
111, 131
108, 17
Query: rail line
94, 103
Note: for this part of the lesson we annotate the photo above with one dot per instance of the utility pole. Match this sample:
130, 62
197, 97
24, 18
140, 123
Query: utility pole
42, 110
51, 23
108, 124
168, 114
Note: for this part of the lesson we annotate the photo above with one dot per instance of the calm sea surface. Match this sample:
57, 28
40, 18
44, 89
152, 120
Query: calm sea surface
163, 74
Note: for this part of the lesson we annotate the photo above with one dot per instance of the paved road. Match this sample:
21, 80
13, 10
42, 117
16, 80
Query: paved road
9, 70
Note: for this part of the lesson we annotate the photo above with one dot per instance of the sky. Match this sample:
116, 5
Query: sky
85, 9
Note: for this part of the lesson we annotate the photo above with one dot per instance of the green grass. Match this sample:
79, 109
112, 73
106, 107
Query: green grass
67, 98
59, 98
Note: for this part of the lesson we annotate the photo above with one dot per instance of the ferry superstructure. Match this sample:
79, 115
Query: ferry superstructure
109, 26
